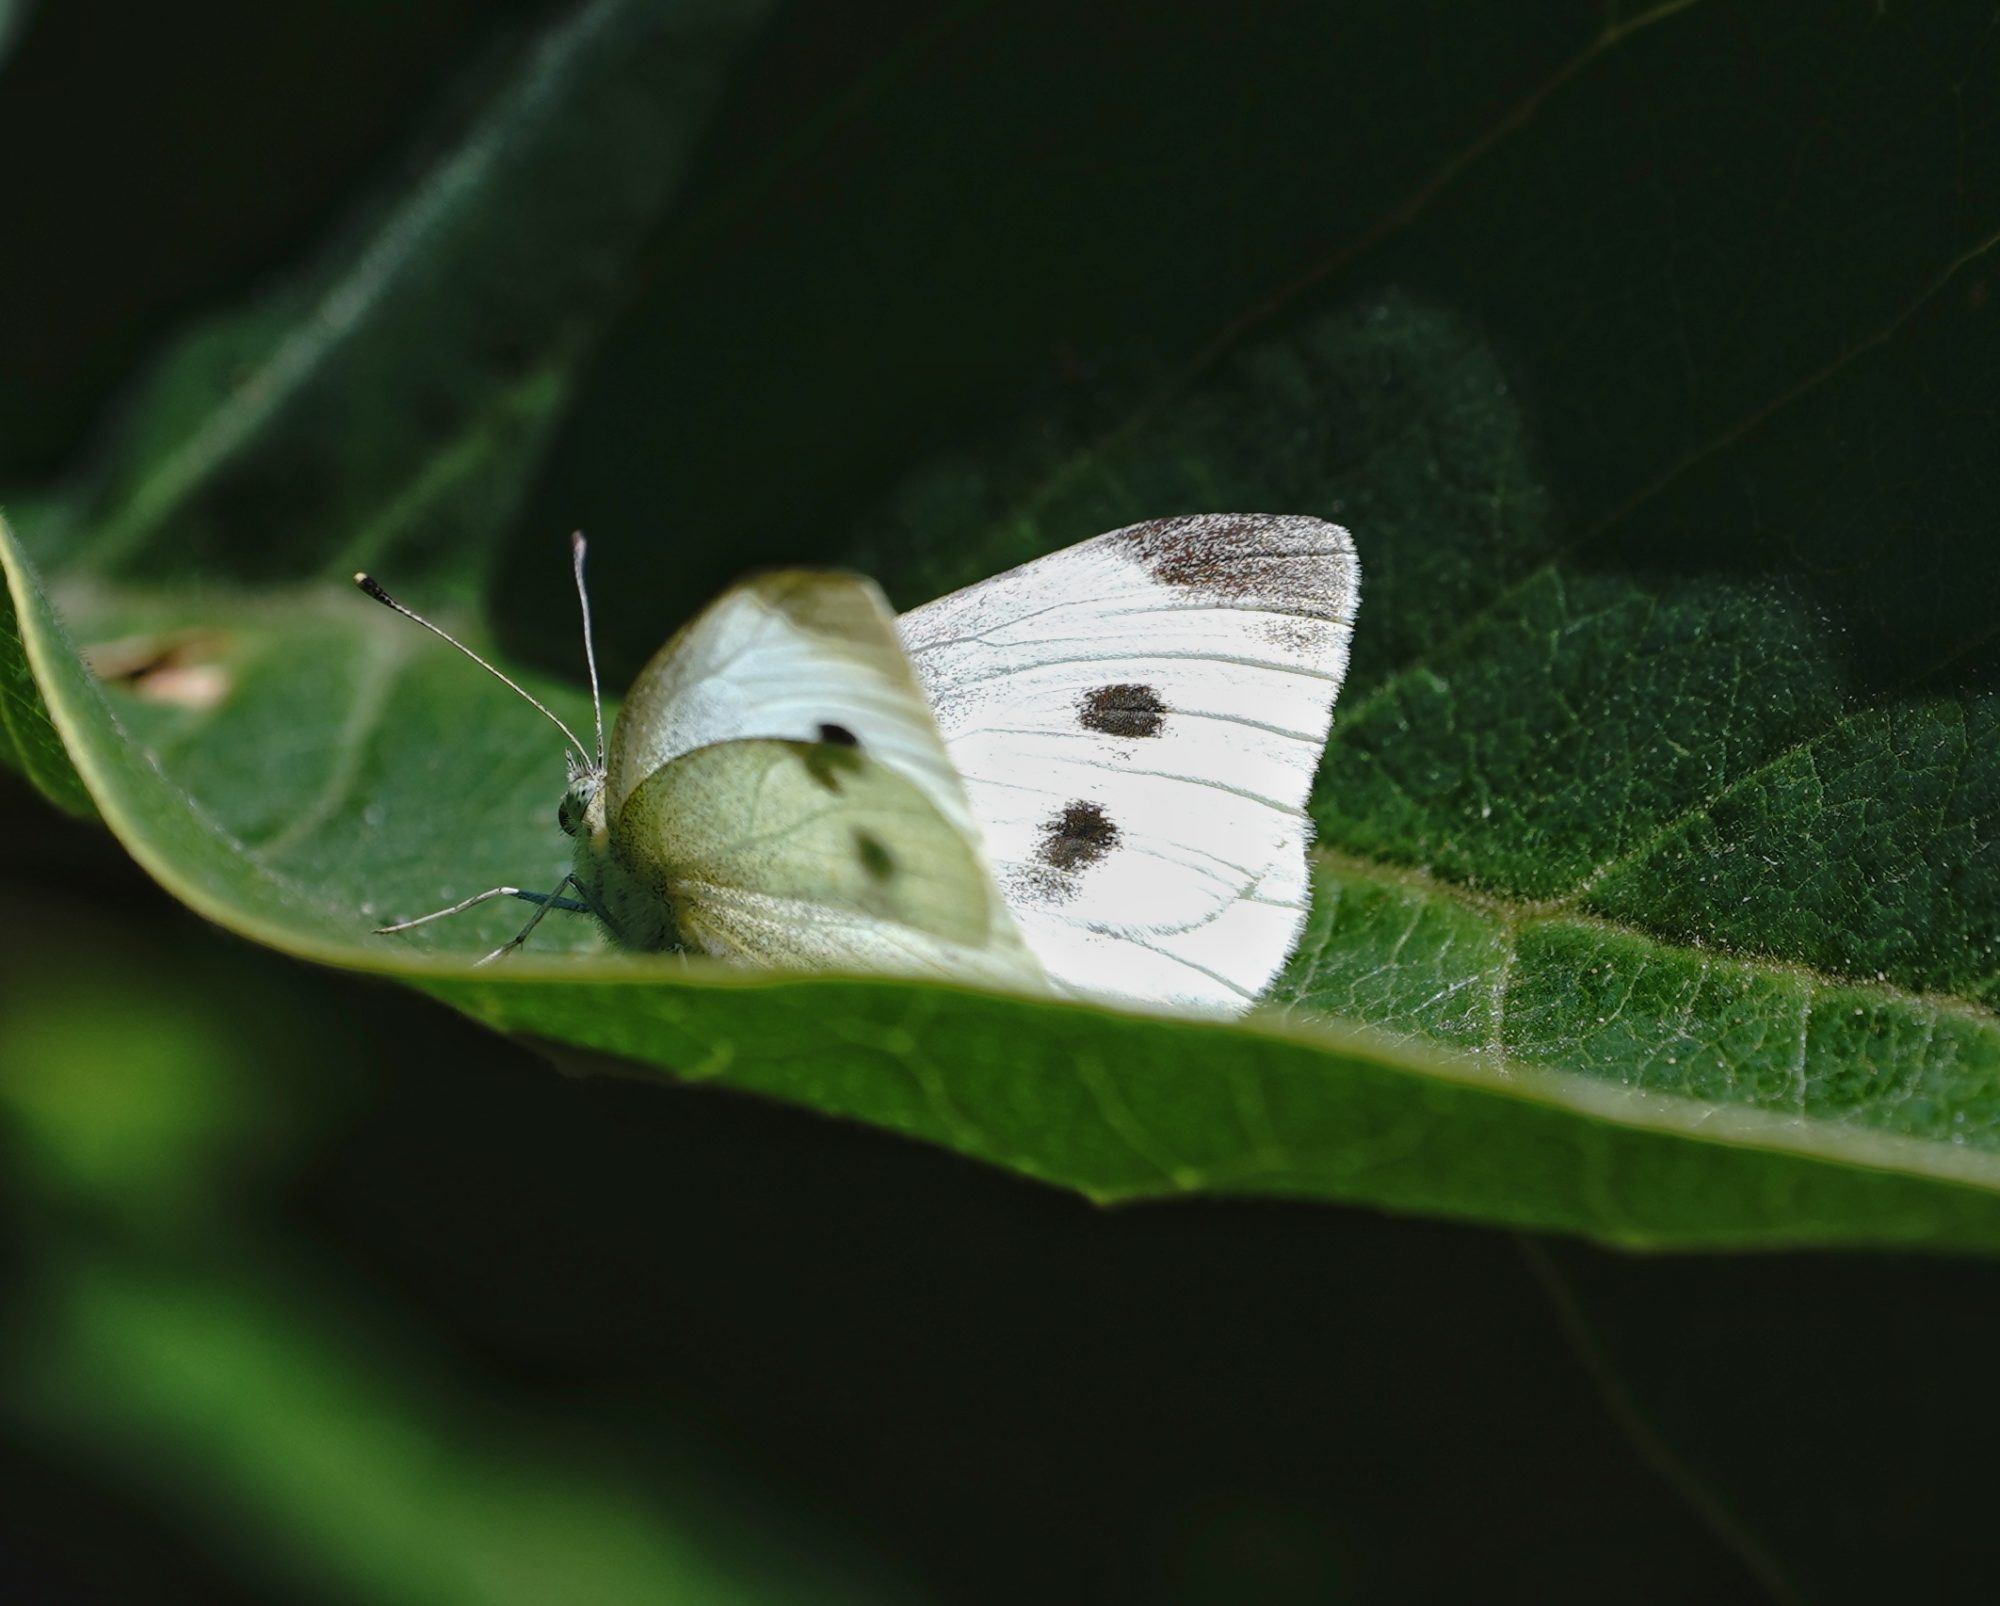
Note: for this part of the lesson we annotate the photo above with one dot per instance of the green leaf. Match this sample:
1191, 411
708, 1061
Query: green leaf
28, 739
1114, 1105
1660, 835
387, 404
248, 1403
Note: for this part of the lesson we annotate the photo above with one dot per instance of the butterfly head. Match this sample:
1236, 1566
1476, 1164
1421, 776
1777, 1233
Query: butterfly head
580, 799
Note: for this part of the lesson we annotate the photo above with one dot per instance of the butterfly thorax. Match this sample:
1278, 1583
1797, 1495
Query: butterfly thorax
630, 900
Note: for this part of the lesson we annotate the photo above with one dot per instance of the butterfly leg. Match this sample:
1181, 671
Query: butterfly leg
545, 901
548, 900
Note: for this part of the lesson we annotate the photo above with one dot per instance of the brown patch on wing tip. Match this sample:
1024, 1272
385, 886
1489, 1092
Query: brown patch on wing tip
1243, 556
1122, 710
1305, 637
1077, 838
1189, 551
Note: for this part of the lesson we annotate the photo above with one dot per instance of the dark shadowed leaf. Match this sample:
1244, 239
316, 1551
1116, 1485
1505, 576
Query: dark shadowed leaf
388, 403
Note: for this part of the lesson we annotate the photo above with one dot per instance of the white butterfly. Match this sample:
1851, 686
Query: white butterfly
1087, 775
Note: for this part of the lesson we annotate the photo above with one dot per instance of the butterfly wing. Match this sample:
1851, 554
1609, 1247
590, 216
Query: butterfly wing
817, 856
776, 776
1137, 721
795, 655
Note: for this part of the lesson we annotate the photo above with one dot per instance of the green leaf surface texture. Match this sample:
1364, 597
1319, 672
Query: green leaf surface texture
1657, 875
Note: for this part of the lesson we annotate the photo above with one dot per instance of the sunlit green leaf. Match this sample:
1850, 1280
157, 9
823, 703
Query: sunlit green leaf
1658, 886
1115, 1105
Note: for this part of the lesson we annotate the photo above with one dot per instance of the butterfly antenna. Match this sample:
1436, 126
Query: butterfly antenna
589, 646
367, 584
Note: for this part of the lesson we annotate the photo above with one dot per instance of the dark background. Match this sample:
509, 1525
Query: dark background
842, 1363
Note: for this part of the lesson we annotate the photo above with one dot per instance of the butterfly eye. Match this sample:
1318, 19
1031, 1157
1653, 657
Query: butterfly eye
569, 814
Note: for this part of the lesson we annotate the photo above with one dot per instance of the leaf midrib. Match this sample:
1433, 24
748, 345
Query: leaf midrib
306, 346
1738, 1125
1395, 674
1515, 915
1386, 228
341, 307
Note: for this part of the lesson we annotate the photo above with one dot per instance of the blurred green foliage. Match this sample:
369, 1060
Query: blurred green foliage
1648, 353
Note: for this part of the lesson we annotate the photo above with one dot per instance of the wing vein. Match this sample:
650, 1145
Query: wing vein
1154, 655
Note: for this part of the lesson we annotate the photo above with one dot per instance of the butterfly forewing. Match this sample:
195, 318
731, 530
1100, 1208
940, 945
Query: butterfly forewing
796, 655
1137, 721
777, 791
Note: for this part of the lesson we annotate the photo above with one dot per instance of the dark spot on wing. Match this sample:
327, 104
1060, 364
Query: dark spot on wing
839, 736
1072, 841
827, 762
876, 859
1077, 838
1123, 710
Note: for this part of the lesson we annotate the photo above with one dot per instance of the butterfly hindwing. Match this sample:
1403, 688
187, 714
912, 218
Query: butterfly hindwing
1137, 721
814, 855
